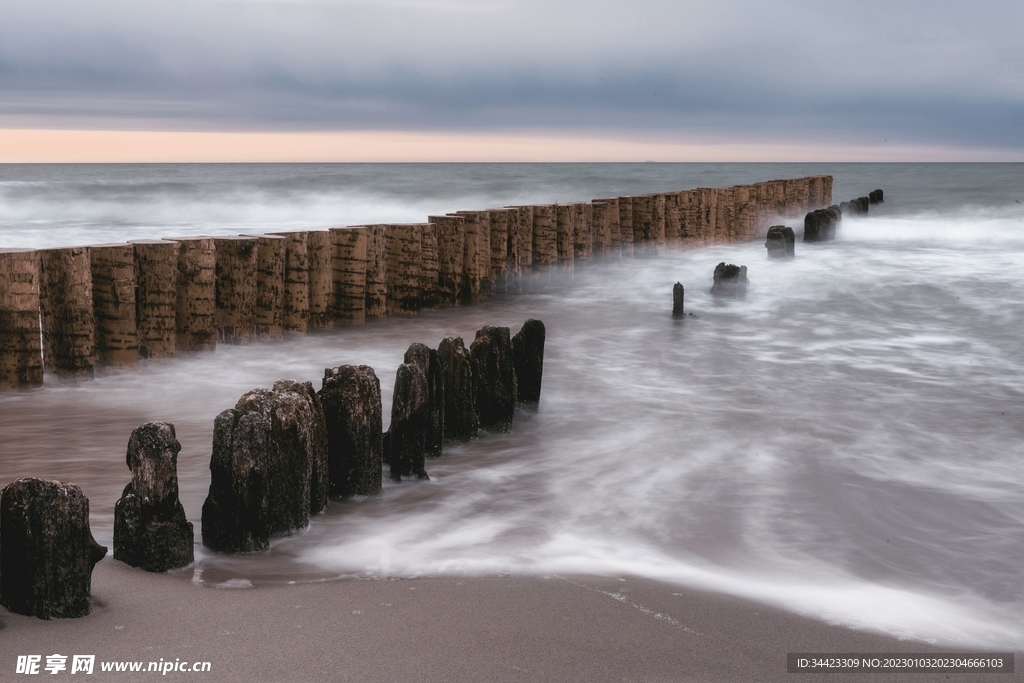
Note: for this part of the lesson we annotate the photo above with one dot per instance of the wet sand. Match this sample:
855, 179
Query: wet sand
556, 628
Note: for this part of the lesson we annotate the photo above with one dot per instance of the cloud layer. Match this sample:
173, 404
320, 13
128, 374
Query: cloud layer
865, 72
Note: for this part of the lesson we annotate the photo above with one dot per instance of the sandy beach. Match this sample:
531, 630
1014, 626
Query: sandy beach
503, 628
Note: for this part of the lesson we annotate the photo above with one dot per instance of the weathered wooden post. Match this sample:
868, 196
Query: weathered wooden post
601, 229
461, 421
349, 274
430, 277
270, 262
113, 298
429, 362
156, 299
406, 439
295, 297
196, 317
267, 452
780, 242
237, 260
582, 216
451, 248
65, 303
688, 235
150, 528
523, 219
730, 281
376, 272
21, 359
320, 249
672, 218
677, 300
565, 237
500, 256
657, 237
403, 247
627, 235
876, 197
47, 551
476, 255
545, 236
494, 378
352, 408
528, 359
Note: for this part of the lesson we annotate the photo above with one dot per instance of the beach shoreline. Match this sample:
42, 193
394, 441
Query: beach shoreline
498, 628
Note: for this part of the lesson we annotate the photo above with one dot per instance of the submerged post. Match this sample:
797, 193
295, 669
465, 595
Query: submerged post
677, 300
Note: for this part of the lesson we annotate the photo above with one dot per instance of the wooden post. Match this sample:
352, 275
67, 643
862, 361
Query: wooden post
295, 297
545, 236
601, 229
429, 273
566, 238
349, 273
626, 232
476, 255
671, 218
403, 246
156, 298
21, 354
270, 259
451, 247
237, 262
376, 272
500, 255
657, 237
113, 301
688, 235
320, 249
65, 303
582, 216
196, 286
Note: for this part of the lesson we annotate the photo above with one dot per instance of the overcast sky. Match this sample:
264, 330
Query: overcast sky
939, 74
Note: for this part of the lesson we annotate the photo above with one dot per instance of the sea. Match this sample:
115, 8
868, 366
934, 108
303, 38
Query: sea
847, 442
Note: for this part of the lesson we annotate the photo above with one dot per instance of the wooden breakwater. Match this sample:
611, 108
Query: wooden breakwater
67, 311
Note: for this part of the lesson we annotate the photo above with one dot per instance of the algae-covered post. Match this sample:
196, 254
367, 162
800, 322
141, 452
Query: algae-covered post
677, 300
730, 281
352, 410
528, 360
780, 242
47, 551
21, 360
494, 378
429, 362
150, 528
406, 439
461, 422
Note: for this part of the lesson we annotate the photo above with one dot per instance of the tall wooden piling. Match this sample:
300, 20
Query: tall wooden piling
320, 249
658, 220
21, 354
196, 286
237, 263
113, 302
476, 255
600, 227
65, 305
501, 260
429, 269
672, 218
581, 214
270, 263
566, 238
403, 246
376, 272
545, 236
349, 274
295, 295
156, 298
451, 246
522, 225
626, 232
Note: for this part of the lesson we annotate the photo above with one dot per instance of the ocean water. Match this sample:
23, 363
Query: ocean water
847, 442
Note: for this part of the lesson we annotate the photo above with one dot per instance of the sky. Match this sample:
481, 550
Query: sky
516, 80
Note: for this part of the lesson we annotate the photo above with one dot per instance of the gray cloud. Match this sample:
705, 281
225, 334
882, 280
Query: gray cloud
911, 71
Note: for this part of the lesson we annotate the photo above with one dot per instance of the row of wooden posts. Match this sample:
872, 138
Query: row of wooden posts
67, 311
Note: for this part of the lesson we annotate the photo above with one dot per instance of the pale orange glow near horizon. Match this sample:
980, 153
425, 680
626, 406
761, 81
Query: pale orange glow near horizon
115, 146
